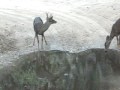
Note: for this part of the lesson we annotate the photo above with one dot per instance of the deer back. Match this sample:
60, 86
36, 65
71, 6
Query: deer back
115, 29
37, 23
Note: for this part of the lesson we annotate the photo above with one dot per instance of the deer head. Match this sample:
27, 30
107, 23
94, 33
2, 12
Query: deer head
108, 41
50, 19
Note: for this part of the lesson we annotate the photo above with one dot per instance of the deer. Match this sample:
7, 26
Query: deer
115, 32
40, 28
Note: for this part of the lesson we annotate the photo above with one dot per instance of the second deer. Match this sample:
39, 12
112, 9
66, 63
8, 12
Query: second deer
115, 32
40, 27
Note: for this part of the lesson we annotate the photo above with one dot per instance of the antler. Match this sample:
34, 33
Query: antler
47, 15
51, 16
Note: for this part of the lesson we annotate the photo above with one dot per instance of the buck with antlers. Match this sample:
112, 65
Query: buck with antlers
115, 32
40, 28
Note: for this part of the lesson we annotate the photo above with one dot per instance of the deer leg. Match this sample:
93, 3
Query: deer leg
117, 40
42, 42
37, 40
44, 39
34, 39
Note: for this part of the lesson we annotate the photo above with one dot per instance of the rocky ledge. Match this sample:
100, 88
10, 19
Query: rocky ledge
93, 69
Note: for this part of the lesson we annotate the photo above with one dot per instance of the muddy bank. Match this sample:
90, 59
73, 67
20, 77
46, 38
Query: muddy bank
92, 69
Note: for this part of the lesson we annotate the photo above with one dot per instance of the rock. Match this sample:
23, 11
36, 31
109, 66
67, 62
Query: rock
93, 69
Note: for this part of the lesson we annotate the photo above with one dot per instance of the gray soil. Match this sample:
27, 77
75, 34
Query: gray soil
82, 24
